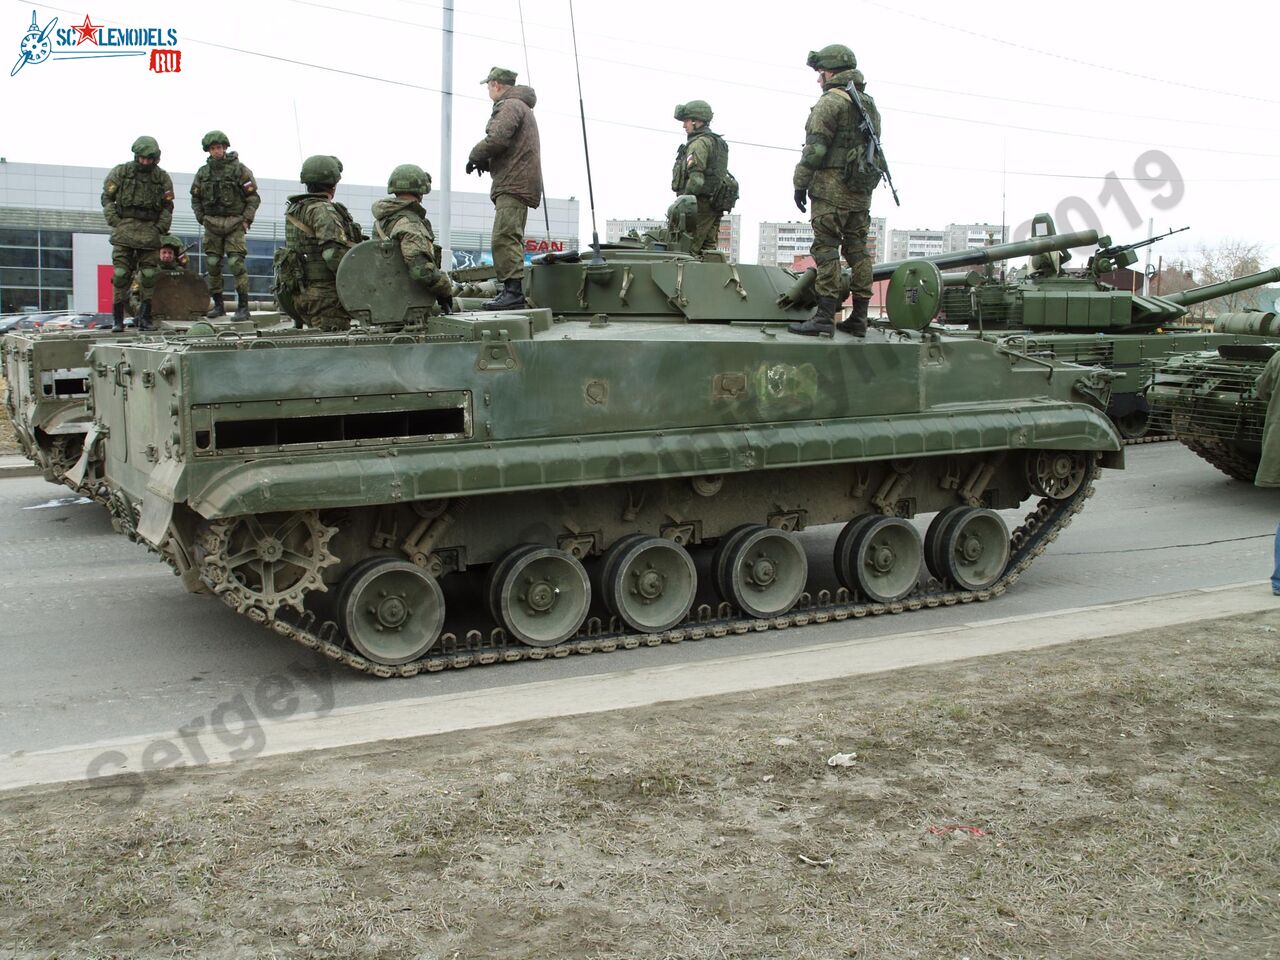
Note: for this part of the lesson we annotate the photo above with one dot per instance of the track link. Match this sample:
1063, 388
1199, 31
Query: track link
472, 647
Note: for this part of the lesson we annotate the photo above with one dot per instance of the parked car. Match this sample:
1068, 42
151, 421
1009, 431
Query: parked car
100, 321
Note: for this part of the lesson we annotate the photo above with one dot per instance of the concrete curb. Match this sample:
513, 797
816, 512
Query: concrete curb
17, 467
633, 688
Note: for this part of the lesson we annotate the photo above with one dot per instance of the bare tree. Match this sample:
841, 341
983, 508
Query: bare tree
1227, 261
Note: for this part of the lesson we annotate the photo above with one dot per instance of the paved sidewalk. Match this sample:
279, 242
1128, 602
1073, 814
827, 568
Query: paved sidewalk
16, 465
631, 688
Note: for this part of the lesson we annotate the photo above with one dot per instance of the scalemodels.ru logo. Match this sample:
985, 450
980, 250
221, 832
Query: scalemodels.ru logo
94, 40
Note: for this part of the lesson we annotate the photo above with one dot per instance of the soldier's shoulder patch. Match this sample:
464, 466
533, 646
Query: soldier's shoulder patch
249, 186
168, 194
689, 162
112, 186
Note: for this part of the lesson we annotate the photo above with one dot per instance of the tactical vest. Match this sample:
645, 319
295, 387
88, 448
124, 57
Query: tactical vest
220, 183
717, 164
140, 197
382, 228
848, 137
299, 236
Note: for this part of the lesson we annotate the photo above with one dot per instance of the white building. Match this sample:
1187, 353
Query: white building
782, 243
53, 239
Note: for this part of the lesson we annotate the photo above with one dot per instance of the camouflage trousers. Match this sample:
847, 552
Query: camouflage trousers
509, 217
706, 228
125, 261
318, 305
837, 231
234, 249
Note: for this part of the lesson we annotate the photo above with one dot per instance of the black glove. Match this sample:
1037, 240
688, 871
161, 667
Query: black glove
445, 301
478, 167
470, 166
801, 201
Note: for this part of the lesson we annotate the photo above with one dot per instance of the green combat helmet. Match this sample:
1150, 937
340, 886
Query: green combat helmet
212, 137
147, 147
321, 169
169, 240
835, 56
694, 110
409, 178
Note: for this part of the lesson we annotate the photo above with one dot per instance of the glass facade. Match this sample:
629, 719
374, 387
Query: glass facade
35, 270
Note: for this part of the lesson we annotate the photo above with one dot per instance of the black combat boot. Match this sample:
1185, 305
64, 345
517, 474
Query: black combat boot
143, 319
822, 323
219, 309
856, 323
117, 317
242, 307
511, 297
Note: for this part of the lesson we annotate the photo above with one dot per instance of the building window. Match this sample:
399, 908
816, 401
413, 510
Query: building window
12, 237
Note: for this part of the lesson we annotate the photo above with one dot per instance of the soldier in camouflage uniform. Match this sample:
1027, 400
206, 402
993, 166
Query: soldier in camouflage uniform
320, 232
702, 171
224, 198
401, 218
835, 174
137, 200
511, 150
173, 255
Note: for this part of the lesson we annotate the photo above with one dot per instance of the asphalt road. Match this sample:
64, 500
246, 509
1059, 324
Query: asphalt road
99, 641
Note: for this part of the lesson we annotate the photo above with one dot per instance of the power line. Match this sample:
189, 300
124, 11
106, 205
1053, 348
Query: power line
1061, 56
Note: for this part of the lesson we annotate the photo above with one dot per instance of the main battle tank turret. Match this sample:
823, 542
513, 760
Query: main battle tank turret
1075, 315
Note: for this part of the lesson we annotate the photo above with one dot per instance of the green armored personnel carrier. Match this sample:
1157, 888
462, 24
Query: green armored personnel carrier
1075, 316
48, 396
1210, 401
645, 432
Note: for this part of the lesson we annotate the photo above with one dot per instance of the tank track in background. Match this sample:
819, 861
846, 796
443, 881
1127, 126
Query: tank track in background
1221, 456
471, 647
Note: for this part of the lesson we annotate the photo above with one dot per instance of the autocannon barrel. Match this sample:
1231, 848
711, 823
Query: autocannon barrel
995, 253
1187, 298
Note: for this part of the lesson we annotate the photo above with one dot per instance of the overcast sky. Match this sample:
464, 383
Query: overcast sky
1012, 105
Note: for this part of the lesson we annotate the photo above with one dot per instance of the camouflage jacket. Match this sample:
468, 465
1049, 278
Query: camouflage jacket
511, 148
832, 164
138, 204
1268, 391
701, 163
406, 223
323, 230
224, 195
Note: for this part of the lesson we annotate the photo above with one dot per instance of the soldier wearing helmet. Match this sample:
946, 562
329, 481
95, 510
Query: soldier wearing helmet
702, 171
318, 232
402, 219
834, 176
137, 201
173, 255
224, 198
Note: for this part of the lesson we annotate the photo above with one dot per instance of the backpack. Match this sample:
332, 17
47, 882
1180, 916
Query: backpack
726, 194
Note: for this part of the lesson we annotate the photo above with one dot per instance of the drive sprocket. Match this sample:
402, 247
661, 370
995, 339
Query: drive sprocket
262, 562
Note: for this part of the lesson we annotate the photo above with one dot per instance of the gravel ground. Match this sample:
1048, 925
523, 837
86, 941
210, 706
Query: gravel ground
1114, 798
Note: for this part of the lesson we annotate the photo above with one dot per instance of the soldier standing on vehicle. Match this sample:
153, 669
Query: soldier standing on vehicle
318, 232
402, 218
1268, 475
702, 171
224, 198
837, 171
137, 201
511, 153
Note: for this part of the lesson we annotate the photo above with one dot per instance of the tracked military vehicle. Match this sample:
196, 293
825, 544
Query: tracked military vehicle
48, 396
646, 424
1076, 316
1210, 401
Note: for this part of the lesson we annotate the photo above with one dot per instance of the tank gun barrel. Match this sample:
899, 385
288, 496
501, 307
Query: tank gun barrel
996, 252
1187, 298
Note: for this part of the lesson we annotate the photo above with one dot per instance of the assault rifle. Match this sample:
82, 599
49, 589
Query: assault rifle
873, 139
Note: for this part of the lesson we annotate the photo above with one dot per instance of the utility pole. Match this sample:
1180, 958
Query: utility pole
446, 135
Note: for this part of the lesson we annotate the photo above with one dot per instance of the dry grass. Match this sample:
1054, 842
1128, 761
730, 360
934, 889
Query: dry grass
1126, 792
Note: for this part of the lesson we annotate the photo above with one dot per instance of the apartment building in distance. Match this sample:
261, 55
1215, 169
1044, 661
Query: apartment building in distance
781, 243
909, 244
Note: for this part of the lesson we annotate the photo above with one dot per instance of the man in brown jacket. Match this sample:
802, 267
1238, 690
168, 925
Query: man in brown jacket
510, 153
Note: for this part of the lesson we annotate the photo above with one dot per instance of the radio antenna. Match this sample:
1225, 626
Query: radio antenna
528, 76
586, 151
